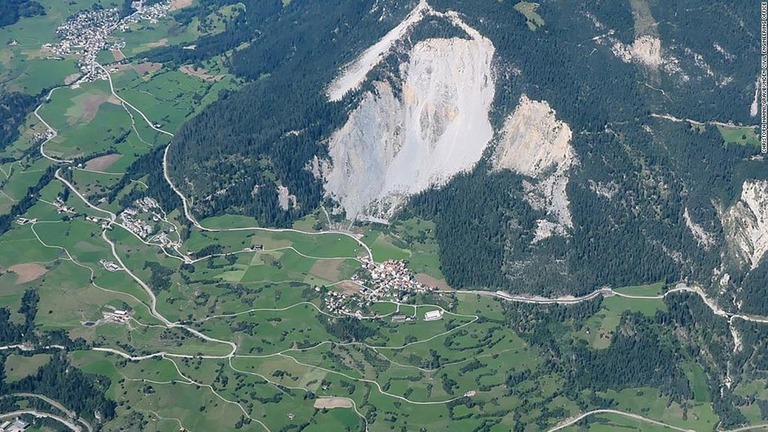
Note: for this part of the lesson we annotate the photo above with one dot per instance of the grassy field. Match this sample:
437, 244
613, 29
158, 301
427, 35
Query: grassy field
411, 240
421, 361
741, 136
269, 301
642, 290
615, 422
649, 403
600, 327
18, 367
530, 11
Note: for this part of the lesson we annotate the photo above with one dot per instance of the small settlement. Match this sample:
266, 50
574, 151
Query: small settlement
387, 281
62, 207
143, 219
109, 265
88, 32
17, 425
116, 316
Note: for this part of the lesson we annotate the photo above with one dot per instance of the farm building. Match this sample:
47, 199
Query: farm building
433, 315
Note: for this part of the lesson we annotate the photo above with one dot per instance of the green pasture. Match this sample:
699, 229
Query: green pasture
530, 11
18, 366
739, 135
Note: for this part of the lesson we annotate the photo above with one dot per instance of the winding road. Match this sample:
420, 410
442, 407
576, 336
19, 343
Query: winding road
39, 414
233, 347
72, 416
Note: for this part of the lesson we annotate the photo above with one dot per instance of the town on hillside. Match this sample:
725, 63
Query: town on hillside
388, 281
90, 31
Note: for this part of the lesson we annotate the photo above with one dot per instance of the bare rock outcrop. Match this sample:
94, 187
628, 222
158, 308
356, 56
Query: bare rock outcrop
702, 236
746, 223
397, 145
285, 198
354, 73
645, 50
536, 144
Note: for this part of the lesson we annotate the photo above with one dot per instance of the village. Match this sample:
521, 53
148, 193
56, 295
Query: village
137, 220
91, 31
389, 281
41, 137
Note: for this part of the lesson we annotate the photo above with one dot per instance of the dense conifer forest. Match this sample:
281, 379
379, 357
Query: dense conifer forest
642, 175
14, 108
264, 135
12, 10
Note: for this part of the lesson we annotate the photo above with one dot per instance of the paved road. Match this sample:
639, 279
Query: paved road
574, 420
54, 131
501, 295
71, 414
524, 298
185, 204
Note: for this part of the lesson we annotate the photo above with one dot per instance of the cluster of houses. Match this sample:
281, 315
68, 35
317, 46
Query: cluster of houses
62, 207
340, 303
164, 240
105, 223
142, 220
131, 221
116, 316
17, 425
387, 281
42, 136
90, 31
109, 265
147, 205
86, 34
24, 221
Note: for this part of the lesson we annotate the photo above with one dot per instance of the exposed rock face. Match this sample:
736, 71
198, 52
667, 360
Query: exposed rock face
393, 147
533, 139
746, 223
285, 198
753, 106
645, 50
354, 73
536, 144
704, 238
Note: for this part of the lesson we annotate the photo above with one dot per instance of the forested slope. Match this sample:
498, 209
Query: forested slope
12, 10
637, 175
644, 184
233, 154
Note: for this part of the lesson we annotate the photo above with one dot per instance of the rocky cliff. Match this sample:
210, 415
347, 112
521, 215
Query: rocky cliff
746, 224
536, 144
396, 145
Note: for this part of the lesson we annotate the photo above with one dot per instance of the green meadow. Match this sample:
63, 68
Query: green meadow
483, 366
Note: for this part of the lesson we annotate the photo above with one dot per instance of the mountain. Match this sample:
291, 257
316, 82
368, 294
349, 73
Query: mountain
396, 145
589, 139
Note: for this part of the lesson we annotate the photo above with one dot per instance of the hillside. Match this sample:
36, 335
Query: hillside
378, 215
580, 123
